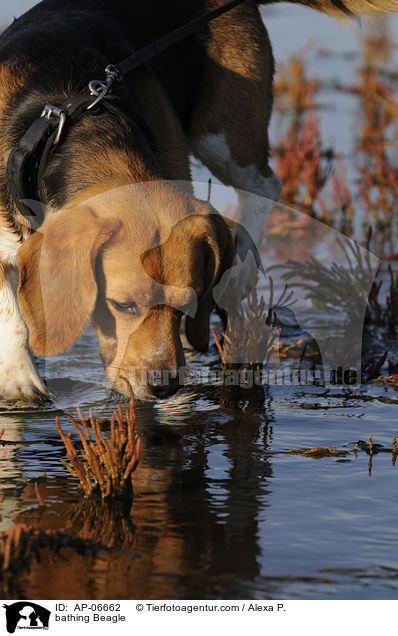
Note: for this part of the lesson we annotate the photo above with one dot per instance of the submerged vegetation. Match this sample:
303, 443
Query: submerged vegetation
104, 465
368, 447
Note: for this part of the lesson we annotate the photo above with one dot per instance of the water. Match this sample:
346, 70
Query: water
222, 508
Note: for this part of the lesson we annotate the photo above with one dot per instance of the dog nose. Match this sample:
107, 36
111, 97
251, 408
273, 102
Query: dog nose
162, 391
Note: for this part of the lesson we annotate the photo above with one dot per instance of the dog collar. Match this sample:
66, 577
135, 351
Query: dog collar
29, 158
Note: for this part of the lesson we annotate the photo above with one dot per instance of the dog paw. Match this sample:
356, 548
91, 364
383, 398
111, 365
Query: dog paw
19, 380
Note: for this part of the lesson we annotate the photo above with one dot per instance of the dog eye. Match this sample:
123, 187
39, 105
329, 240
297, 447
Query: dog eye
126, 308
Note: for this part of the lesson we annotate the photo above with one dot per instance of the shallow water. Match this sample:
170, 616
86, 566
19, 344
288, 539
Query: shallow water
222, 509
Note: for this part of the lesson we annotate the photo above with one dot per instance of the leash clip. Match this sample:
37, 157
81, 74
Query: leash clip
100, 89
48, 112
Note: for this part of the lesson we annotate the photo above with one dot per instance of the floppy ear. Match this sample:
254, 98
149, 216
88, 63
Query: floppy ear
57, 286
217, 241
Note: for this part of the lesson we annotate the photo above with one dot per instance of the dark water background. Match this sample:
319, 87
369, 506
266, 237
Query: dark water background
223, 510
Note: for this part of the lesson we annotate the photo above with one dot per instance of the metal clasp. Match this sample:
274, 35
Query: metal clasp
100, 88
48, 112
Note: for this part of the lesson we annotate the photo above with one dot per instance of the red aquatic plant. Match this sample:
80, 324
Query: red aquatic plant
104, 464
302, 163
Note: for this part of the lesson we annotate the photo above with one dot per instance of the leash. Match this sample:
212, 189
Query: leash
28, 159
117, 72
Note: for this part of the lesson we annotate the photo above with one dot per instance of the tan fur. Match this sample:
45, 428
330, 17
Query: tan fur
161, 271
57, 289
63, 282
341, 8
236, 96
13, 75
6, 311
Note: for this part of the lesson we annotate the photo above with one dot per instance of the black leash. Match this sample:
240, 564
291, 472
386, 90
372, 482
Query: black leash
165, 42
27, 161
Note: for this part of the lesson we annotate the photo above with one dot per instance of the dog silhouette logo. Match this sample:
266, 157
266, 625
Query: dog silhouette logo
26, 615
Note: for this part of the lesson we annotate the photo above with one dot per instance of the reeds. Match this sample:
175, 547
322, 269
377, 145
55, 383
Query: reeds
301, 161
348, 287
251, 332
294, 91
104, 465
342, 287
373, 449
314, 175
384, 315
375, 147
39, 495
341, 197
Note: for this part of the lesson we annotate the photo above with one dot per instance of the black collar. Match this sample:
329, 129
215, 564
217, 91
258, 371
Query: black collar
30, 157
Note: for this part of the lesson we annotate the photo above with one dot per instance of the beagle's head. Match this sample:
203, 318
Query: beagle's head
135, 261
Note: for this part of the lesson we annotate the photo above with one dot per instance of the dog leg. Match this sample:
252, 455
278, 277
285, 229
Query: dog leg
229, 131
257, 193
18, 374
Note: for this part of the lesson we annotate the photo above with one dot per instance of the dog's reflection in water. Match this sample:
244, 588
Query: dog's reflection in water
201, 488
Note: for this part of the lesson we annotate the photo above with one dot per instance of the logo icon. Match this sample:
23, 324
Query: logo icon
26, 615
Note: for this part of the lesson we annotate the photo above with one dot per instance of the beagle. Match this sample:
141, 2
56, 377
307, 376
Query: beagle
120, 244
